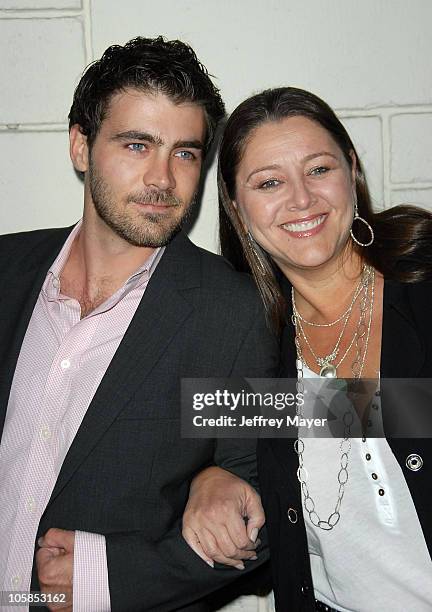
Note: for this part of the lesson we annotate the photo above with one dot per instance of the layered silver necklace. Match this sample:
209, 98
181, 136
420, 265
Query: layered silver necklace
328, 369
326, 363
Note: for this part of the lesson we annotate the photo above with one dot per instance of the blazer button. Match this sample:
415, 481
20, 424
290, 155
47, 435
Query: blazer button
292, 515
414, 462
304, 589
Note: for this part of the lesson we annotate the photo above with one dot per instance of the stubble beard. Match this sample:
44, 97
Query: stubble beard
143, 229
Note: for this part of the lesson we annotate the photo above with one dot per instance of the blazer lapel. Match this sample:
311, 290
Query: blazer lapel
283, 448
403, 351
160, 315
21, 290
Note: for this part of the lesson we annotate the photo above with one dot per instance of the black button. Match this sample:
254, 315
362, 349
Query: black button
363, 439
374, 476
381, 492
368, 457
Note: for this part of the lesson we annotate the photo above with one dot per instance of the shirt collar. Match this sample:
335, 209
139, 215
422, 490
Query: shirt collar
144, 272
51, 286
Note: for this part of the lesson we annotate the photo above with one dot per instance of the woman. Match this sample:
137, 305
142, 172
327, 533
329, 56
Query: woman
350, 292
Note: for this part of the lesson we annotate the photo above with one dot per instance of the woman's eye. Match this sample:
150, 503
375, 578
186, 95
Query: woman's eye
269, 183
137, 146
318, 171
185, 155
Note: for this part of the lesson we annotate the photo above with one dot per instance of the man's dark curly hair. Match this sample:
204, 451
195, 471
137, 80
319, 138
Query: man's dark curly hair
148, 64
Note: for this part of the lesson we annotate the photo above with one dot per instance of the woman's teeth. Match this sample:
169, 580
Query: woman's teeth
304, 226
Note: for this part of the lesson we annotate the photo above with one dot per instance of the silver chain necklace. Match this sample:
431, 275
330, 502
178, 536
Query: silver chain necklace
361, 335
340, 318
325, 363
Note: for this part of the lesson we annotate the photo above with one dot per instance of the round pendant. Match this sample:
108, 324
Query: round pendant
328, 371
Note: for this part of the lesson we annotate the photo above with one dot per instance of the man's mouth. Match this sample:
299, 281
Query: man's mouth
159, 201
153, 204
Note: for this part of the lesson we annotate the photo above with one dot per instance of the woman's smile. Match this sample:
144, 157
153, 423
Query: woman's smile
304, 228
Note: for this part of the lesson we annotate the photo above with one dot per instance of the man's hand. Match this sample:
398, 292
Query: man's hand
214, 521
54, 562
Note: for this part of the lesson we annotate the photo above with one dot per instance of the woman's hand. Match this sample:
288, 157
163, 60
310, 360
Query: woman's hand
214, 521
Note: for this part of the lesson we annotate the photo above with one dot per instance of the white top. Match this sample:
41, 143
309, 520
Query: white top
375, 559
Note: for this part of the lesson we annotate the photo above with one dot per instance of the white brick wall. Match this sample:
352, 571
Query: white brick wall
40, 4
420, 197
350, 53
39, 57
48, 194
370, 60
411, 160
366, 134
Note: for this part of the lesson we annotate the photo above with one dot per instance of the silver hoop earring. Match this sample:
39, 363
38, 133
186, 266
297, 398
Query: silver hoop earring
358, 218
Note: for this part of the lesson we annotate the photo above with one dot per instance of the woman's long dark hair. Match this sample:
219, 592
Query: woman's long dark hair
402, 249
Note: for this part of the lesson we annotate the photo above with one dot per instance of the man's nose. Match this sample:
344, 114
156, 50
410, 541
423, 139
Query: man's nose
158, 173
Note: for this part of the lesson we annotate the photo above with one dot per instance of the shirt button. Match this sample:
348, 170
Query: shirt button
45, 432
368, 457
414, 462
16, 580
381, 492
56, 283
375, 476
30, 505
65, 364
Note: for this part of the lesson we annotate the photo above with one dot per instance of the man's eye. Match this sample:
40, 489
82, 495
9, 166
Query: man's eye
136, 146
318, 171
185, 155
269, 183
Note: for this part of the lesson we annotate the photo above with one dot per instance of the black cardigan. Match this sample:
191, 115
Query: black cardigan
406, 352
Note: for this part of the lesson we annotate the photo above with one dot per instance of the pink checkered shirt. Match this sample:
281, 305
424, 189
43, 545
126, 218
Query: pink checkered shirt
62, 361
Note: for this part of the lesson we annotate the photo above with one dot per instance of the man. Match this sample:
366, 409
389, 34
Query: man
99, 323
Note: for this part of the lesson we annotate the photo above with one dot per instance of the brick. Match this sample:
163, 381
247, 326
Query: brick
354, 54
40, 4
365, 132
38, 185
41, 63
419, 197
411, 136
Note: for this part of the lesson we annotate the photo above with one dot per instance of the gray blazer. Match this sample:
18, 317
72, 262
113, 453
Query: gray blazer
127, 472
